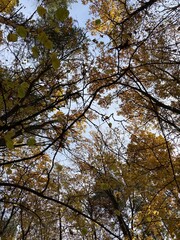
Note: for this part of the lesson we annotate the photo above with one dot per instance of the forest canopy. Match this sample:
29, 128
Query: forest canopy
90, 120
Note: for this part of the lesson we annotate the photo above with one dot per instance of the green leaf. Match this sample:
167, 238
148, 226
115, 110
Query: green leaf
12, 37
9, 143
9, 171
41, 11
55, 61
104, 186
35, 52
57, 29
48, 44
117, 212
98, 21
61, 14
42, 37
8, 139
110, 124
31, 141
22, 89
9, 134
8, 165
22, 31
84, 231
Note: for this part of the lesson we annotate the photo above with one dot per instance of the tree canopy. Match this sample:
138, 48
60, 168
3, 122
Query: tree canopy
89, 126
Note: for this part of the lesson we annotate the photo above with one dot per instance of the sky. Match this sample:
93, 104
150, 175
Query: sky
80, 13
77, 10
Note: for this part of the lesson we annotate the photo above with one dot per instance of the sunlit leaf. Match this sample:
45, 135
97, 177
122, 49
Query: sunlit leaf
117, 212
35, 52
42, 37
22, 89
8, 5
61, 14
48, 44
9, 171
12, 37
55, 61
22, 31
8, 139
84, 231
41, 11
31, 141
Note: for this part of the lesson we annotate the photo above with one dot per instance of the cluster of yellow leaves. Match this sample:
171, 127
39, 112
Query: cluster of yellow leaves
146, 180
109, 13
32, 174
148, 149
7, 5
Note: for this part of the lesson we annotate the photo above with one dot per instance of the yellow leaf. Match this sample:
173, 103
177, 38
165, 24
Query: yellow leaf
7, 5
148, 219
12, 37
41, 11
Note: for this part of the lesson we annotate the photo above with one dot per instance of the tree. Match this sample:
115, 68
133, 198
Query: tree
141, 57
139, 65
38, 86
42, 87
54, 83
136, 193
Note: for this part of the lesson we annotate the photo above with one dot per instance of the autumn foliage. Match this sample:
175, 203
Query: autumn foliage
89, 126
